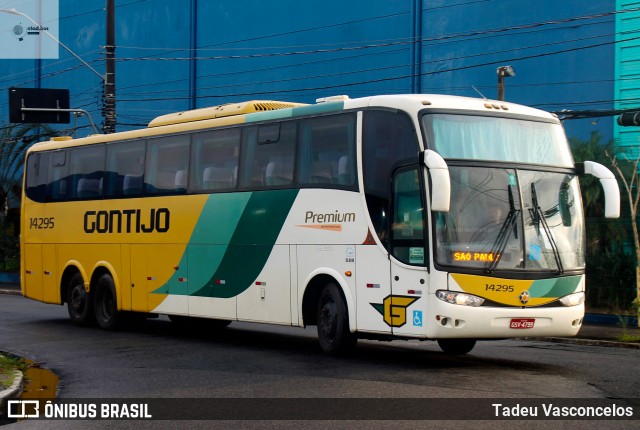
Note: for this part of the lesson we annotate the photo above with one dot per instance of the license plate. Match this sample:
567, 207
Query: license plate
522, 323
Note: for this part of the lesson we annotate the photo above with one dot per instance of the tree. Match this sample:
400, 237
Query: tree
626, 166
610, 267
15, 139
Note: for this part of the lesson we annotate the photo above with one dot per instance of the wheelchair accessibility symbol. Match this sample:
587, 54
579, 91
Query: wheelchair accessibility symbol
417, 318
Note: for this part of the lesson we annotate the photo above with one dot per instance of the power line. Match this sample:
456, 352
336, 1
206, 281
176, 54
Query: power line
451, 37
366, 45
566, 114
362, 71
513, 59
298, 64
406, 41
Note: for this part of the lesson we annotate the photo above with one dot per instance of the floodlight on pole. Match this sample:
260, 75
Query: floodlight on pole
503, 72
22, 14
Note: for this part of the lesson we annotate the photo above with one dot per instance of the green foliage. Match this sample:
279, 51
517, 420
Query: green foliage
9, 246
610, 257
15, 139
591, 150
8, 366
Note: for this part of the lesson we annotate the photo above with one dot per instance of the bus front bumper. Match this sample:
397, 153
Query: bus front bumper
456, 321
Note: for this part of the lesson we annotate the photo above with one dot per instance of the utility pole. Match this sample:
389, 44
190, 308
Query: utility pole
503, 72
109, 106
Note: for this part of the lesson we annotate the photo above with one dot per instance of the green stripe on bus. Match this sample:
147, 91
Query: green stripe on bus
295, 112
251, 243
318, 109
559, 287
209, 239
269, 115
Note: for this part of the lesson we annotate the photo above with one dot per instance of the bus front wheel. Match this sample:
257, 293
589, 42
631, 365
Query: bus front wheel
106, 305
333, 322
79, 302
456, 346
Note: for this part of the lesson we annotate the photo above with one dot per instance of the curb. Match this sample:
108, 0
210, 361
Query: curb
12, 392
591, 342
9, 291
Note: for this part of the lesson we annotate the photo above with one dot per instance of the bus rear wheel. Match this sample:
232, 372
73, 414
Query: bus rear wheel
456, 346
333, 323
79, 303
105, 303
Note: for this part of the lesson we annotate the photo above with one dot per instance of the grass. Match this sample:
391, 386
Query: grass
8, 366
626, 336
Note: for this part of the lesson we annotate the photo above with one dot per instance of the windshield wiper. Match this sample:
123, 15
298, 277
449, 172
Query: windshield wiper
510, 223
538, 218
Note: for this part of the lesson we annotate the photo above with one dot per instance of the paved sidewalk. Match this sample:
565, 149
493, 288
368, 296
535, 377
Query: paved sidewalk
590, 334
10, 289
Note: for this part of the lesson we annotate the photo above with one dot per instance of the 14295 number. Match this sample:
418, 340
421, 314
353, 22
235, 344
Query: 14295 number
499, 288
41, 223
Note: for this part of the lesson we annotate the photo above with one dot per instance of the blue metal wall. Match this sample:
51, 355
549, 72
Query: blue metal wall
627, 73
563, 53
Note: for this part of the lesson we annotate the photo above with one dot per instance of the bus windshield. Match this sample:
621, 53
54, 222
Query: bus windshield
513, 217
492, 138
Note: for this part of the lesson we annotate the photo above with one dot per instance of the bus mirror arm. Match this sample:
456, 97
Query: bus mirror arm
440, 180
609, 185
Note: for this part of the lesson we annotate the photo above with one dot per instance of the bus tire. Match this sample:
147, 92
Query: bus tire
333, 322
79, 302
105, 303
456, 346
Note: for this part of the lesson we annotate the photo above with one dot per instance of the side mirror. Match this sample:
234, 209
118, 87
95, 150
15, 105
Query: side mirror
440, 181
609, 185
564, 206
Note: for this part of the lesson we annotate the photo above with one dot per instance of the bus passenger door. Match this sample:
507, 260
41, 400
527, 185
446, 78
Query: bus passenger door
408, 248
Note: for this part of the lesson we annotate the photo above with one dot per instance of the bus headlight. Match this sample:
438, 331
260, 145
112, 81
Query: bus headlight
456, 298
574, 299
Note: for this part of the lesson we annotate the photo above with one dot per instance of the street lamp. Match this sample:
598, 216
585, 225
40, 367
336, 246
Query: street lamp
22, 14
503, 72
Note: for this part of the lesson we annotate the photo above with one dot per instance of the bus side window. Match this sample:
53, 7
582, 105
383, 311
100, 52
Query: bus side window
125, 169
167, 165
36, 182
269, 163
327, 151
86, 165
57, 186
407, 225
214, 160
388, 139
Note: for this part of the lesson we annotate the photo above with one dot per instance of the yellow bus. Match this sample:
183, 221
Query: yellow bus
403, 216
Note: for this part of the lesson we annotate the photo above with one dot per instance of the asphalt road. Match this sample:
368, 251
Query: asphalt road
156, 359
